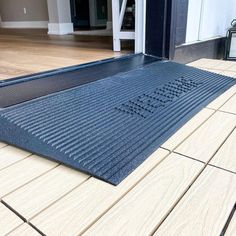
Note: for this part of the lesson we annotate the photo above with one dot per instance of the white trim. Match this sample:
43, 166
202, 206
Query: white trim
201, 41
140, 8
115, 25
201, 21
144, 24
127, 35
24, 24
118, 12
60, 28
122, 13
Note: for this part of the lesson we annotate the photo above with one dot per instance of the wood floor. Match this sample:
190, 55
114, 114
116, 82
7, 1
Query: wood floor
30, 51
187, 187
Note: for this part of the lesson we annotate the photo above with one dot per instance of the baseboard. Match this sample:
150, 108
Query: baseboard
60, 28
109, 25
213, 49
25, 24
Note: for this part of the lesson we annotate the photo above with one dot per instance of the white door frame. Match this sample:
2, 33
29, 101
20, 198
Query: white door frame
118, 12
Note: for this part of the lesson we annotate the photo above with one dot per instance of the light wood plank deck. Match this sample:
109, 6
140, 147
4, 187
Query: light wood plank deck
202, 146
226, 155
24, 230
205, 208
230, 105
190, 193
91, 200
8, 220
144, 208
47, 189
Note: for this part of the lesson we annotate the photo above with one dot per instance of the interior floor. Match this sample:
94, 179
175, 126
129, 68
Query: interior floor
33, 50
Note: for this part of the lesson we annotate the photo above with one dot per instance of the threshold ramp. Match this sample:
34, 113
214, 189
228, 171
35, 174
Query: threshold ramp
108, 127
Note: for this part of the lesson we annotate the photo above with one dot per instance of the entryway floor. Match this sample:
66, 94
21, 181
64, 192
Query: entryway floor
33, 50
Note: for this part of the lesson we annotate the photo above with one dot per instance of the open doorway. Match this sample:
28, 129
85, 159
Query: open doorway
93, 19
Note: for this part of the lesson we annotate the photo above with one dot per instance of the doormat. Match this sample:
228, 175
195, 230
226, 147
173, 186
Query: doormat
107, 128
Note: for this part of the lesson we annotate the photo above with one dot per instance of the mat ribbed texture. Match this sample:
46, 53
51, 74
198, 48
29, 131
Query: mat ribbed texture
109, 127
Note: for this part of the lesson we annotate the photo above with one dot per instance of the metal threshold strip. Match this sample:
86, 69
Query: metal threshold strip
107, 128
24, 88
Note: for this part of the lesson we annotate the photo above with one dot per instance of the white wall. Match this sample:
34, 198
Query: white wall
24, 13
13, 10
209, 18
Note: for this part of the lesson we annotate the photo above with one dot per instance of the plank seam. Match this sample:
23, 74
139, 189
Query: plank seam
230, 171
12, 210
30, 181
30, 155
204, 167
191, 134
79, 185
189, 157
227, 112
5, 145
227, 223
35, 228
124, 194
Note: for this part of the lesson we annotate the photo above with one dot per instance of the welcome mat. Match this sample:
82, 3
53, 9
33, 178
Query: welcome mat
107, 128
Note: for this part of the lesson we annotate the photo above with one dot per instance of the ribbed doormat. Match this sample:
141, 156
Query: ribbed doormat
107, 128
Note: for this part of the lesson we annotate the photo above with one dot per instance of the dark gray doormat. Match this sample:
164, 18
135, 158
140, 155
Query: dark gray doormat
107, 128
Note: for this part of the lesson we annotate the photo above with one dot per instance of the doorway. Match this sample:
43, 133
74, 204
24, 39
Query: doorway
80, 16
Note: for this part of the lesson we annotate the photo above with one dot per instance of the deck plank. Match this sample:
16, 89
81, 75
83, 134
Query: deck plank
8, 220
206, 206
218, 102
230, 106
231, 230
9, 155
187, 129
24, 230
23, 172
163, 187
2, 145
226, 156
231, 74
45, 189
82, 207
206, 140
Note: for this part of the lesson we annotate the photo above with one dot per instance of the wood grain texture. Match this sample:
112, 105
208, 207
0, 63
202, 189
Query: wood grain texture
23, 172
205, 141
232, 67
29, 51
218, 102
82, 207
205, 207
8, 220
226, 156
24, 230
230, 106
45, 191
231, 74
10, 155
142, 209
205, 63
212, 64
231, 230
187, 129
